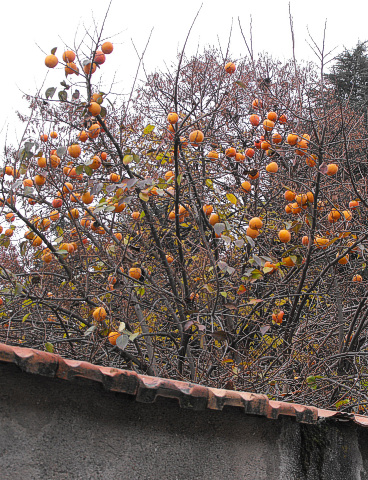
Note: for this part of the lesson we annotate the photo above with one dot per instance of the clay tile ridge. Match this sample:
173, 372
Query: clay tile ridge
146, 389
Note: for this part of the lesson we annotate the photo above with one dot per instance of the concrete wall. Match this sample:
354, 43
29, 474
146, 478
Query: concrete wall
52, 429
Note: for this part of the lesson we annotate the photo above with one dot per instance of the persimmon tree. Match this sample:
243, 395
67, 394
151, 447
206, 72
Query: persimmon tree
210, 228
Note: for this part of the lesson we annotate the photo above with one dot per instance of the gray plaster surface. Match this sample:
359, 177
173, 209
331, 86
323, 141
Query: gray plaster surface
56, 430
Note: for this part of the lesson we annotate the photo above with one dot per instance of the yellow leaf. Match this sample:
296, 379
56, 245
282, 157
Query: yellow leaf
232, 198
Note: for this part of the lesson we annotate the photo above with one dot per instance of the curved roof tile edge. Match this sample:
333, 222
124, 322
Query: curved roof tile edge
146, 389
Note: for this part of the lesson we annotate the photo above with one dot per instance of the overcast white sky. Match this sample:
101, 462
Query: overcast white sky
27, 27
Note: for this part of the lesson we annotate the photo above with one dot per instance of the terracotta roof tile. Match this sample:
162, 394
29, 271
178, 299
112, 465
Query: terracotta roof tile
147, 389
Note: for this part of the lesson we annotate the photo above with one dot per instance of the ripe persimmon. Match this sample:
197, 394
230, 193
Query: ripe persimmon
253, 177
42, 162
135, 273
289, 195
114, 177
252, 233
68, 56
107, 48
36, 242
256, 103
94, 130
321, 242
353, 204
68, 187
230, 152
292, 139
254, 120
99, 57
255, 223
39, 180
172, 118
272, 167
83, 136
99, 314
272, 116
54, 161
71, 68
28, 182
96, 163
332, 169
230, 68
54, 215
113, 336
284, 236
51, 61
214, 218
247, 186
73, 213
196, 137
283, 119
87, 68
344, 260
268, 125
357, 278
94, 109
208, 209
213, 155
288, 262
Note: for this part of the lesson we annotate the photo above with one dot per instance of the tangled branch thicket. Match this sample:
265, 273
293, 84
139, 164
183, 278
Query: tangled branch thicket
150, 238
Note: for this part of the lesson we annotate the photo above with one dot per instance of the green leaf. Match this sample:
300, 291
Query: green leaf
121, 327
18, 289
127, 159
50, 92
179, 178
209, 183
6, 242
79, 169
133, 336
232, 198
25, 317
88, 170
122, 341
254, 301
90, 330
103, 112
148, 129
219, 228
28, 146
49, 347
136, 158
23, 248
53, 50
224, 294
61, 151
241, 84
28, 191
143, 196
63, 96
